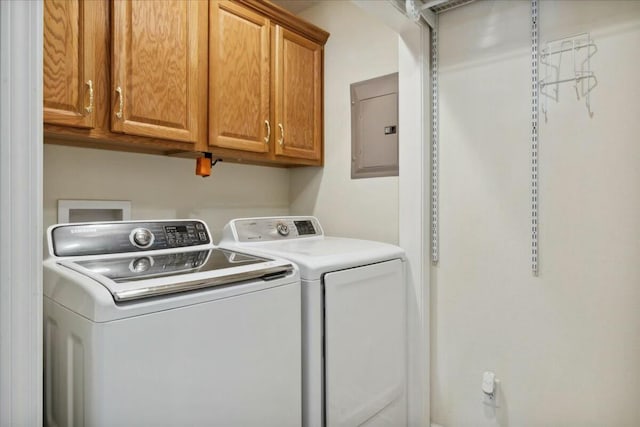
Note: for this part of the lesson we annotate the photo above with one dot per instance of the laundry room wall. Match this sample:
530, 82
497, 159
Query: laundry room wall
566, 344
163, 187
359, 48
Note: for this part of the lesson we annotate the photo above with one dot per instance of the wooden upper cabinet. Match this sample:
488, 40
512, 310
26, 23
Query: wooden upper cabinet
241, 79
298, 96
158, 64
69, 63
239, 82
265, 83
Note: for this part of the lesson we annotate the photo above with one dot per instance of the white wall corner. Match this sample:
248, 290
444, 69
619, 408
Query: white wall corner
21, 213
389, 14
413, 51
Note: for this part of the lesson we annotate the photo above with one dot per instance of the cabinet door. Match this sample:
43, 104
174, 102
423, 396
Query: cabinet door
159, 49
69, 63
238, 78
298, 96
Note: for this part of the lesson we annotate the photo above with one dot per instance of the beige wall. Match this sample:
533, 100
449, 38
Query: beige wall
163, 187
359, 48
566, 345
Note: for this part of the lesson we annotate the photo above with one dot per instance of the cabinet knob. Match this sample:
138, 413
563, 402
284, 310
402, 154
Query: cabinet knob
266, 138
281, 140
121, 101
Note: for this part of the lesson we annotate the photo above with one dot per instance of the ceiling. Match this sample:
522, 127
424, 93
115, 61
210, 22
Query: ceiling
296, 6
435, 6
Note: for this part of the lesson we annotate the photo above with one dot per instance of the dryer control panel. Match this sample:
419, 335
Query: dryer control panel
274, 228
126, 236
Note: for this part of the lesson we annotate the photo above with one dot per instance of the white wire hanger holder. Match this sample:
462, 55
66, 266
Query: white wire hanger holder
568, 60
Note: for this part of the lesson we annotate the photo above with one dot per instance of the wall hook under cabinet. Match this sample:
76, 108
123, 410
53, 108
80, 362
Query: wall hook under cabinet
204, 165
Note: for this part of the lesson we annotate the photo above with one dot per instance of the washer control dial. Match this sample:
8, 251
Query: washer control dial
142, 237
140, 265
283, 229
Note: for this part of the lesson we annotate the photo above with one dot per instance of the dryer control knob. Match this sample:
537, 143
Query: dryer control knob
142, 237
283, 229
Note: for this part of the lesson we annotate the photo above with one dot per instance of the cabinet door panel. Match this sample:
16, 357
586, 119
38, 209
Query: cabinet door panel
69, 63
156, 60
238, 78
298, 88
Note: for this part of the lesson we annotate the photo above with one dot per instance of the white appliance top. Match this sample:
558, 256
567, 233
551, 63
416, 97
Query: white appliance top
301, 239
143, 259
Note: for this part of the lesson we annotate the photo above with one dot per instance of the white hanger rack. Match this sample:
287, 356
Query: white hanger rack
579, 49
553, 60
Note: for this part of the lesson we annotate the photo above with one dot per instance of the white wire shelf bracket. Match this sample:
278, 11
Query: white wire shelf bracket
427, 11
434, 145
535, 93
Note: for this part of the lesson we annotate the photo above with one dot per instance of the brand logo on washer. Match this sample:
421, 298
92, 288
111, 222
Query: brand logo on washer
83, 230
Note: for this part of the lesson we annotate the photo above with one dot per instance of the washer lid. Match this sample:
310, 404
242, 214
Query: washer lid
147, 275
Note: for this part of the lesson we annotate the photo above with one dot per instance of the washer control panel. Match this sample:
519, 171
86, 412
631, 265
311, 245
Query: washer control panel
121, 237
269, 229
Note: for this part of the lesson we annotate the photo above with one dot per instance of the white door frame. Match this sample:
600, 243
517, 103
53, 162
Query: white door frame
21, 209
413, 193
21, 213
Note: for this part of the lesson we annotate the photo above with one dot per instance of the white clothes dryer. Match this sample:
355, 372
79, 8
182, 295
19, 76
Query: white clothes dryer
354, 361
147, 323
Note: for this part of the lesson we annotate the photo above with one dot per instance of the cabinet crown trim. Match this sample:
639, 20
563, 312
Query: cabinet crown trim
287, 19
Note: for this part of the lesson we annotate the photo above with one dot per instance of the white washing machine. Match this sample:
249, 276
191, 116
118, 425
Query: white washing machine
354, 368
147, 323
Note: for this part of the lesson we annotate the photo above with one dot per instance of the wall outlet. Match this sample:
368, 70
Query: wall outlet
491, 399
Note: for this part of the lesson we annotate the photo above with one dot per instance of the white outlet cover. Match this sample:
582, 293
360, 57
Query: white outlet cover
93, 210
